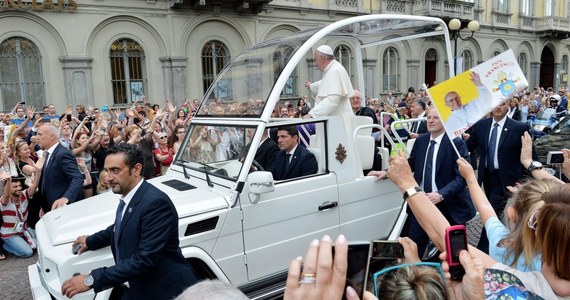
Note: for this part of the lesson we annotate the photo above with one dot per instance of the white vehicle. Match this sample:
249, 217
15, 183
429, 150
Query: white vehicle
240, 225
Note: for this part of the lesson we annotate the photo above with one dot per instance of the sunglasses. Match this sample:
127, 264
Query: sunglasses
163, 137
181, 132
533, 220
436, 266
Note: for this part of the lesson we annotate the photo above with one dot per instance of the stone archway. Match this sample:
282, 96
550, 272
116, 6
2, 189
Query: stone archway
430, 74
546, 68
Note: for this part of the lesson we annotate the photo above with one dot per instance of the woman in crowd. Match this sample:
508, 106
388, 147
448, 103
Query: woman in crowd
514, 246
204, 146
163, 154
175, 139
103, 186
551, 224
135, 135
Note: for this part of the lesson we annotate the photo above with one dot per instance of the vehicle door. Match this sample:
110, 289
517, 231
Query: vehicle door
282, 223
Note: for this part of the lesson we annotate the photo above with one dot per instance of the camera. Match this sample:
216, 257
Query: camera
387, 249
92, 118
554, 158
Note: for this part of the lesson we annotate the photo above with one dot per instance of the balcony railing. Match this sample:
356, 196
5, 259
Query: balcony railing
552, 24
434, 8
501, 19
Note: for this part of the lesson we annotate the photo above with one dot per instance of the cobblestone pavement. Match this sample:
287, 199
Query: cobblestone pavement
14, 284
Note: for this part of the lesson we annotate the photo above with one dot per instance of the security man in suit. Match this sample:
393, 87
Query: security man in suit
144, 238
292, 161
61, 182
433, 161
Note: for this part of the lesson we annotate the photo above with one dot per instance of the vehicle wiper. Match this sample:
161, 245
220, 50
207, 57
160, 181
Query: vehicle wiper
208, 180
186, 175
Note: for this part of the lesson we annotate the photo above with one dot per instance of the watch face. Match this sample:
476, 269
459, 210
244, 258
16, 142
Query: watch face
536, 164
88, 281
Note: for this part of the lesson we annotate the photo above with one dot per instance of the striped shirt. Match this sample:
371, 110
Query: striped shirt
12, 214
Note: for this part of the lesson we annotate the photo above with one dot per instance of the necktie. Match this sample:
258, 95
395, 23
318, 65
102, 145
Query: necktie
429, 167
288, 160
492, 148
118, 219
44, 168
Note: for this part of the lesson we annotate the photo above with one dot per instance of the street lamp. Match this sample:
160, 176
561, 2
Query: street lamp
455, 27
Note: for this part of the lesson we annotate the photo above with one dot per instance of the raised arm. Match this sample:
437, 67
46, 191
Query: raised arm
478, 197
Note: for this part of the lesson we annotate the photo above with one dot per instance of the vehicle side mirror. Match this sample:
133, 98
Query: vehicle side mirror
546, 129
259, 182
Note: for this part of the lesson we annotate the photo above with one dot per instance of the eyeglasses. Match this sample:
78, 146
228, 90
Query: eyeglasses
163, 137
181, 132
436, 266
533, 220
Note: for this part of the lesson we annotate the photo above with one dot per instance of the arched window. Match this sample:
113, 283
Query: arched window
343, 55
467, 59
127, 71
215, 56
391, 70
496, 52
21, 73
523, 63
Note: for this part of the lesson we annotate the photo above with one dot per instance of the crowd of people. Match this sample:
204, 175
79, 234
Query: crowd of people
50, 160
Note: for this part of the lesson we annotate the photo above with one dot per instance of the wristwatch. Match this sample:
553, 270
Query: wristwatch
89, 281
411, 191
534, 165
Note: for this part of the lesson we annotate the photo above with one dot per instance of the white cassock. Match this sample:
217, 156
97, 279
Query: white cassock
332, 91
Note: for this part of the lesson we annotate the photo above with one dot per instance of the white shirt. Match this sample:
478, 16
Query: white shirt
435, 151
500, 129
129, 196
50, 151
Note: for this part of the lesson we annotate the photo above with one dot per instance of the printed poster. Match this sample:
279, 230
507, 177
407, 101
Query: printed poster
464, 99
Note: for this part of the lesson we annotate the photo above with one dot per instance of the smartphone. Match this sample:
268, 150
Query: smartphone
357, 269
554, 158
68, 118
23, 102
387, 249
455, 241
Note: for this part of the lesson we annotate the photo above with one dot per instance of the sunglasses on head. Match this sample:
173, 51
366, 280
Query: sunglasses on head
377, 283
533, 220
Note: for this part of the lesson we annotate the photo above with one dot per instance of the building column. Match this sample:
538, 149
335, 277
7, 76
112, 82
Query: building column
369, 66
413, 67
534, 74
174, 71
77, 80
557, 76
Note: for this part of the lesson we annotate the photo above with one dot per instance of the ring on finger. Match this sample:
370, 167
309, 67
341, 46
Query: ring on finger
308, 279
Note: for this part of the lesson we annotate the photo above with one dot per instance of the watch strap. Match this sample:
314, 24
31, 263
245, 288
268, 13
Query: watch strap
409, 192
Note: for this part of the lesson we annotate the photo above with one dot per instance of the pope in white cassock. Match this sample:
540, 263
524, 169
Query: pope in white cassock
333, 90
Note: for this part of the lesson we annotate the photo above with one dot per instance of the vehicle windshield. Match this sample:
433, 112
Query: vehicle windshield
218, 149
242, 88
546, 114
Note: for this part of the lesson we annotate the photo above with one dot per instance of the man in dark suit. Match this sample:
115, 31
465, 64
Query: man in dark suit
433, 161
143, 239
418, 110
292, 161
267, 150
501, 154
61, 182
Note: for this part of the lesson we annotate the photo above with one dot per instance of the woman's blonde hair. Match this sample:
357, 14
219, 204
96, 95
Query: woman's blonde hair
101, 187
412, 282
553, 230
521, 239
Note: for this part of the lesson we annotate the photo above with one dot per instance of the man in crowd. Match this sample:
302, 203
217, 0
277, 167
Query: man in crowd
51, 113
498, 143
144, 238
333, 90
292, 161
563, 97
359, 110
418, 110
433, 161
61, 182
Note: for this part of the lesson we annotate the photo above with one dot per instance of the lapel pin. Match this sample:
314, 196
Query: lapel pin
130, 209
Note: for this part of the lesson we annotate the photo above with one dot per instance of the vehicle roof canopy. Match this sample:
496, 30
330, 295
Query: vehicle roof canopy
252, 83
